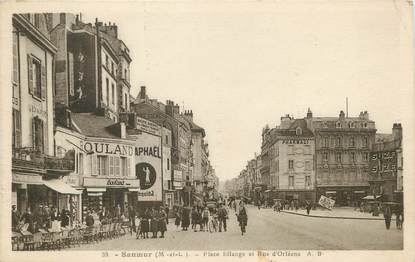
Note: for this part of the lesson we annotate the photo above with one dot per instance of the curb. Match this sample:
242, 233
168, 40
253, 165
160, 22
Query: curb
334, 217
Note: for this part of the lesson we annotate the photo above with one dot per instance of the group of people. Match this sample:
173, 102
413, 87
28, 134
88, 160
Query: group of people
387, 215
201, 216
42, 217
152, 220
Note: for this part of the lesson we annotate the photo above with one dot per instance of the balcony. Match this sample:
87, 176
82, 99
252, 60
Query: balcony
31, 160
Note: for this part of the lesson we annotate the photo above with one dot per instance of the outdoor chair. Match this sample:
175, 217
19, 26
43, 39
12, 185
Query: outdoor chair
47, 241
88, 234
28, 243
65, 239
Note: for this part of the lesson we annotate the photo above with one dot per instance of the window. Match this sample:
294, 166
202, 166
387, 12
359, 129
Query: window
365, 141
81, 164
352, 157
308, 181
107, 64
291, 164
307, 150
291, 181
290, 150
338, 141
36, 78
125, 74
111, 166
325, 156
15, 58
168, 164
298, 131
108, 90
278, 166
325, 125
351, 125
338, 125
326, 142
365, 124
112, 67
167, 139
94, 165
38, 134
117, 166
307, 165
16, 140
102, 165
125, 102
352, 142
339, 157
365, 156
124, 169
113, 93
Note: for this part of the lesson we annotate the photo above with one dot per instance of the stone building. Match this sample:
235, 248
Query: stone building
386, 166
343, 145
36, 171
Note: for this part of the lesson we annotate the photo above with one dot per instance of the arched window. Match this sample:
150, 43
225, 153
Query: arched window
298, 131
338, 125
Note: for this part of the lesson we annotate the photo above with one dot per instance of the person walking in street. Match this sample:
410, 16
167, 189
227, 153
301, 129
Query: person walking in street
194, 218
118, 211
64, 218
89, 220
166, 210
154, 222
205, 219
387, 214
242, 217
145, 226
223, 216
29, 219
131, 218
15, 218
161, 220
185, 218
177, 218
308, 207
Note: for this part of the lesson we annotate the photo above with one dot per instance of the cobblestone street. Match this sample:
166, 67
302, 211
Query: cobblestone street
268, 230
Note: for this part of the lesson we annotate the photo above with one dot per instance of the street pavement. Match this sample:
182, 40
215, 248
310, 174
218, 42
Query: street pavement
269, 230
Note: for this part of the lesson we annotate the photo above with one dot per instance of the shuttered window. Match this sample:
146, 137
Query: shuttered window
111, 165
38, 134
117, 166
36, 77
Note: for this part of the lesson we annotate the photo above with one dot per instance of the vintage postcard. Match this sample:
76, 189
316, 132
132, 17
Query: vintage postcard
231, 130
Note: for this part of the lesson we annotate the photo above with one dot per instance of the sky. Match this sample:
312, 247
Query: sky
242, 65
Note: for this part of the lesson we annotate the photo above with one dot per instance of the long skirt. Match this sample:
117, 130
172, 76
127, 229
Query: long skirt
162, 226
154, 225
177, 221
145, 227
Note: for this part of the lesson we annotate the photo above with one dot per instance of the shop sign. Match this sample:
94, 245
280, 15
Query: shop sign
383, 163
107, 148
111, 182
295, 141
26, 179
177, 185
72, 180
148, 167
326, 202
148, 126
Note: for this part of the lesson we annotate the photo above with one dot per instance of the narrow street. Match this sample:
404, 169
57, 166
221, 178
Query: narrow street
268, 230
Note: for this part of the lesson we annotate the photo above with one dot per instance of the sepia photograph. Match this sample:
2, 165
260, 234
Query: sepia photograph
223, 127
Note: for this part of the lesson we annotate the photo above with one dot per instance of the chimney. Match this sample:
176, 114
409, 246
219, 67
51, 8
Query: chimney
366, 115
123, 130
397, 131
341, 115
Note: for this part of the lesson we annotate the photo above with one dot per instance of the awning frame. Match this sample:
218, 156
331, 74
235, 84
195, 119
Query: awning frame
61, 187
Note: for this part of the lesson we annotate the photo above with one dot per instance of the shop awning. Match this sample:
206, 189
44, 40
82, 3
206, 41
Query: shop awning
269, 190
132, 189
95, 194
96, 189
61, 187
370, 197
359, 192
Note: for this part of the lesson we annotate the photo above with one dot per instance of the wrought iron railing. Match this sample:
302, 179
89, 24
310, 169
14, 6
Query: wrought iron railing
30, 157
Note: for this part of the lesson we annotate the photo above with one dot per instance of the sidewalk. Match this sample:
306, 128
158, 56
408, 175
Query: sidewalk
337, 212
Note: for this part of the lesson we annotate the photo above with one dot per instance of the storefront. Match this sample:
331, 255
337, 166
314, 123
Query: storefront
344, 196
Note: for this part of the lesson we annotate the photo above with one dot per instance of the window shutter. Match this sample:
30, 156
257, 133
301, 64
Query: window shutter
111, 165
30, 73
128, 167
34, 133
42, 136
94, 165
117, 166
43, 82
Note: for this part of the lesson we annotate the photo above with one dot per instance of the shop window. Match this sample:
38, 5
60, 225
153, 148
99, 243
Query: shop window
102, 165
290, 164
128, 167
36, 78
16, 142
38, 134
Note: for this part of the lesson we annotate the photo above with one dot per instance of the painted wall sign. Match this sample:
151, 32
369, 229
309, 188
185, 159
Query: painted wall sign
107, 148
148, 168
383, 163
148, 126
26, 179
111, 182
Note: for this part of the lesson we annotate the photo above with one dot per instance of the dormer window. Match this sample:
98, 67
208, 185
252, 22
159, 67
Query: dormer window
365, 124
351, 125
338, 125
298, 131
325, 125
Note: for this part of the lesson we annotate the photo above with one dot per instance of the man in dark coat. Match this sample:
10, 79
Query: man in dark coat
222, 216
154, 222
29, 219
145, 226
185, 218
64, 218
387, 214
242, 217
15, 218
162, 221
89, 220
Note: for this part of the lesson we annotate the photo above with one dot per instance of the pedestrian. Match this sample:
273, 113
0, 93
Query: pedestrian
161, 221
64, 218
177, 218
15, 218
166, 210
131, 218
296, 205
185, 218
89, 220
308, 207
242, 217
145, 222
154, 222
194, 218
387, 214
205, 218
223, 216
118, 211
199, 218
29, 219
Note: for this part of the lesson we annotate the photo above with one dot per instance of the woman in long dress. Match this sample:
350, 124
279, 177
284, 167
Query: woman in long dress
145, 223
